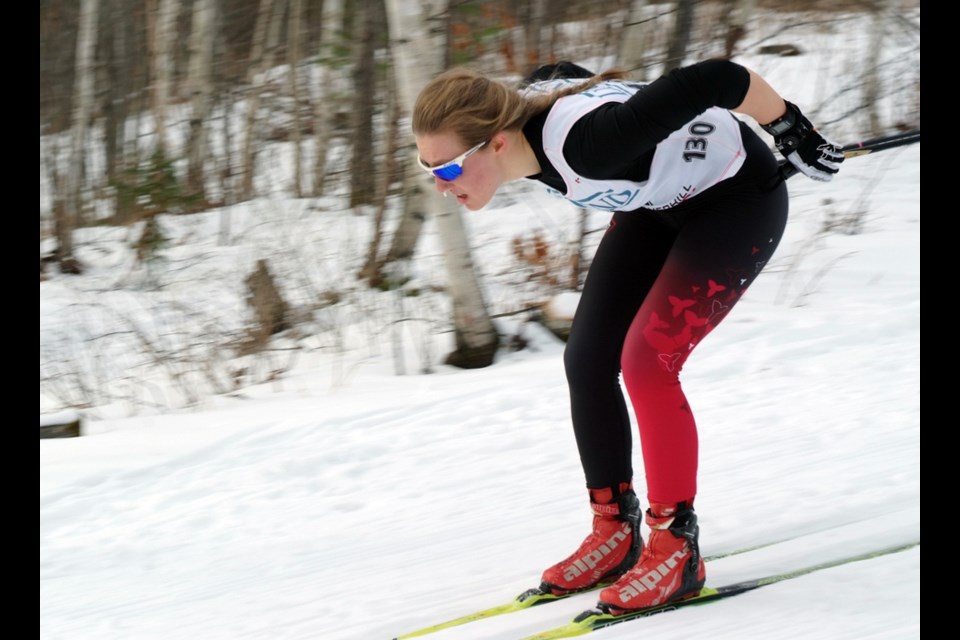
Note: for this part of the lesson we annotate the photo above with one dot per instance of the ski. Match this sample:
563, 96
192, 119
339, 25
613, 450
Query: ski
536, 596
527, 599
598, 618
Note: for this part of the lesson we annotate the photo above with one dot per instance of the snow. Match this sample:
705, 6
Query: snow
344, 501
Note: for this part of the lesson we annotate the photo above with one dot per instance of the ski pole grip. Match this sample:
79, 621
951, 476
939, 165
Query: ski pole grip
787, 170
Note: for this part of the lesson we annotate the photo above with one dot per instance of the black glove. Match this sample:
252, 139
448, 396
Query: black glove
812, 154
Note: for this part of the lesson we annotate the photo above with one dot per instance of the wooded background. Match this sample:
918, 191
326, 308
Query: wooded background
152, 107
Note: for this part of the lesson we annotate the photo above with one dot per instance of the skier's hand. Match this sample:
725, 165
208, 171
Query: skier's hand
812, 154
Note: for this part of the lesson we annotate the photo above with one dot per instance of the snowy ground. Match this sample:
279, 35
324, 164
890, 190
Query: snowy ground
400, 501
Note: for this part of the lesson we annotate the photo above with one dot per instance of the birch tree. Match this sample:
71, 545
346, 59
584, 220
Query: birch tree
294, 29
324, 111
475, 335
635, 38
405, 237
201, 91
82, 108
533, 16
164, 39
680, 37
737, 15
871, 81
266, 34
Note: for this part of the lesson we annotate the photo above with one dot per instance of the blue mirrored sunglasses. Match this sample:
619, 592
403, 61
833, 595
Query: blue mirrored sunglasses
450, 170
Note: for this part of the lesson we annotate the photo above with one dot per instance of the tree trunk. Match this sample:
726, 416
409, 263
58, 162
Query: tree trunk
578, 261
164, 40
226, 173
266, 33
125, 75
534, 12
82, 108
117, 86
475, 335
202, 37
738, 14
871, 81
371, 270
677, 48
324, 106
362, 172
405, 238
634, 38
294, 28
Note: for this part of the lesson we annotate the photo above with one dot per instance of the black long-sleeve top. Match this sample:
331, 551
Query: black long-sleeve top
595, 147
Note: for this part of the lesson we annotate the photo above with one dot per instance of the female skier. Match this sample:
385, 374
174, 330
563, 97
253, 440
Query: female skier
697, 211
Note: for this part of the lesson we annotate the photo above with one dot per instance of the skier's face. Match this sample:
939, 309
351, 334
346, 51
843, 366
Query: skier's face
469, 173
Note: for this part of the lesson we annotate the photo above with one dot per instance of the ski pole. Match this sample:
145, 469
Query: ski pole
862, 148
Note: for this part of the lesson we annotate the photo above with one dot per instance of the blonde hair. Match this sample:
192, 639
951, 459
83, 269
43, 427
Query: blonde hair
475, 108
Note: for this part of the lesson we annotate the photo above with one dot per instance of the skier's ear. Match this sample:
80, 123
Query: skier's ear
499, 142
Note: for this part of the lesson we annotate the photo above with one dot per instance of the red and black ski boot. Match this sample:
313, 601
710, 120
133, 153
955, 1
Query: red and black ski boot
670, 567
612, 547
